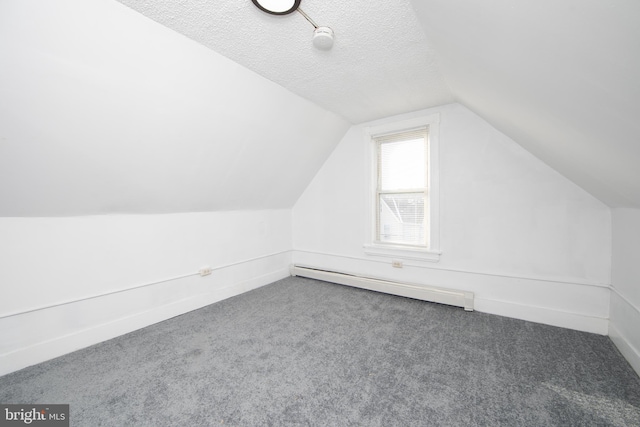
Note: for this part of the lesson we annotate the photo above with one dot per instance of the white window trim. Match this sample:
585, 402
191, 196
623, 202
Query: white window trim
432, 253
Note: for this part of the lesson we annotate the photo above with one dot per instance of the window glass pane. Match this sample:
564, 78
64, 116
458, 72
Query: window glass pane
401, 218
402, 165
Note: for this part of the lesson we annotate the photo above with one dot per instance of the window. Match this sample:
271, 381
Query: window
401, 189
404, 190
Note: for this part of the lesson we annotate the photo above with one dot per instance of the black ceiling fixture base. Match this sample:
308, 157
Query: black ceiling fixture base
296, 4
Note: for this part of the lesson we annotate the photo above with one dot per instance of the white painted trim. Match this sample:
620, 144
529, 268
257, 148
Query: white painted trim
563, 304
390, 251
144, 285
553, 317
625, 299
622, 341
400, 125
627, 349
461, 270
433, 123
41, 351
453, 297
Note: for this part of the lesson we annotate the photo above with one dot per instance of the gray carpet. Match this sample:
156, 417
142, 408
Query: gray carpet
304, 352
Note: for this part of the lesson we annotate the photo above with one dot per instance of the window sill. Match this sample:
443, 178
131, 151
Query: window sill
402, 252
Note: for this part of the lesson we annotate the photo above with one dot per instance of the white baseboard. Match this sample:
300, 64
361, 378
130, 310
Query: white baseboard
553, 317
578, 306
629, 352
623, 329
201, 294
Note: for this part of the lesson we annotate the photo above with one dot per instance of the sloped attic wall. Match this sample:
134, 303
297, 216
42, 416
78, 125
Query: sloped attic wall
104, 111
559, 78
112, 130
528, 242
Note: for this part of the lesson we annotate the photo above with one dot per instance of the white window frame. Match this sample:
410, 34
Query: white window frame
431, 252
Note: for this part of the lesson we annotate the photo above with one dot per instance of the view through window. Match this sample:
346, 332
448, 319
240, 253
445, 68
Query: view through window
402, 188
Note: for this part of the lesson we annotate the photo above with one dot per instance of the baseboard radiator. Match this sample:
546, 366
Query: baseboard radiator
426, 293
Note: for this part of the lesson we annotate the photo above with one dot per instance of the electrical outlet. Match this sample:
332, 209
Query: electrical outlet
205, 271
396, 264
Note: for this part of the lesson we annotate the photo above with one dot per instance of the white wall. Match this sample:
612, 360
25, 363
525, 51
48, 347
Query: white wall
547, 88
105, 111
61, 277
625, 280
102, 112
528, 242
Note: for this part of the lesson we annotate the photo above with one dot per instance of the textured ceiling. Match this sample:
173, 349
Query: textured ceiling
132, 117
559, 78
380, 65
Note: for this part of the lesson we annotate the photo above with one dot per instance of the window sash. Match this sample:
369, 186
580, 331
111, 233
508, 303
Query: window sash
399, 224
397, 228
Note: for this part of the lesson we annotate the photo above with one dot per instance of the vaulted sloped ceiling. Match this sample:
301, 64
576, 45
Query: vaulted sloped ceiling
558, 77
381, 63
105, 111
561, 78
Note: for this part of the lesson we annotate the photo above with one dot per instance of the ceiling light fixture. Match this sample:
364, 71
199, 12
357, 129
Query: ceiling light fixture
322, 36
277, 7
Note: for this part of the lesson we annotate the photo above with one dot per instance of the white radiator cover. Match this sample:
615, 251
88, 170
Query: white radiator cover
453, 297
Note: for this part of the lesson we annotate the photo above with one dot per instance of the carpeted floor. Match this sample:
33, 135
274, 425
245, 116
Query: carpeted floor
304, 352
